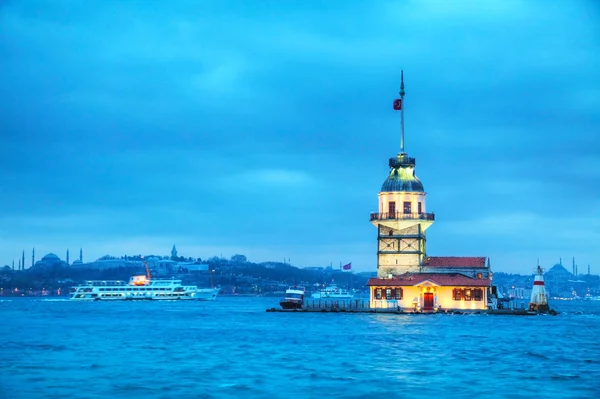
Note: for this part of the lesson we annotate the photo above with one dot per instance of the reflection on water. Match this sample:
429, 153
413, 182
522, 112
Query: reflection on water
232, 348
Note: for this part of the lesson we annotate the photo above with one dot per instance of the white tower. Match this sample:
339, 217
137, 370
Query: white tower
539, 298
402, 217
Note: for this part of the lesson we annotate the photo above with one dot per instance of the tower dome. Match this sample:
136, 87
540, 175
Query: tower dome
402, 176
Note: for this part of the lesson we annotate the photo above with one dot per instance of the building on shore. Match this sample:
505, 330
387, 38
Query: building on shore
407, 278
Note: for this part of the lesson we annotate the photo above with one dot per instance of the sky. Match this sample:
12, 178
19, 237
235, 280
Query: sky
265, 128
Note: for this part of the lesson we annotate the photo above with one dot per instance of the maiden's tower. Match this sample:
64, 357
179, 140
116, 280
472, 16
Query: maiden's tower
407, 277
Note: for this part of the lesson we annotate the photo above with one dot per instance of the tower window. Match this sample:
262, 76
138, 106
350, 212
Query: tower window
392, 208
407, 207
420, 207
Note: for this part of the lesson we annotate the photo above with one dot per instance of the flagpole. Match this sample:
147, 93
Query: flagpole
402, 112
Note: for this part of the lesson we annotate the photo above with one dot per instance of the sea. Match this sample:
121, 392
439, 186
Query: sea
233, 348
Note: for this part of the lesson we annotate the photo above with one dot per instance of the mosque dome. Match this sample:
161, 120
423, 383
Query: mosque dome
50, 258
402, 176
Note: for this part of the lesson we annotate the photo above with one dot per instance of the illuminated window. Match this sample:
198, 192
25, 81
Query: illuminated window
457, 294
407, 207
392, 208
468, 294
398, 293
477, 294
388, 293
378, 293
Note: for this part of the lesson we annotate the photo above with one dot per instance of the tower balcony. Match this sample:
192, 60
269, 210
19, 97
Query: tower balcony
402, 216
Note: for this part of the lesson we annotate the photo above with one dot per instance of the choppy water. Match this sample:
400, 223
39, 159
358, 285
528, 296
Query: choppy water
232, 348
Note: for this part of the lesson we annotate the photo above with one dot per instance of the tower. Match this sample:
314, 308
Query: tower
539, 297
23, 259
13, 265
20, 264
33, 257
402, 217
67, 257
81, 255
173, 252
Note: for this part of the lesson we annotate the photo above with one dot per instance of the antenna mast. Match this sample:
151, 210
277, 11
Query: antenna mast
402, 112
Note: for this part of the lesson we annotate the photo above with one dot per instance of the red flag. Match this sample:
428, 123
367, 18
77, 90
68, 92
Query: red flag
398, 104
347, 267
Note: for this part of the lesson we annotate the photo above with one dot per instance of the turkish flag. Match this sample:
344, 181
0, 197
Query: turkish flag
398, 104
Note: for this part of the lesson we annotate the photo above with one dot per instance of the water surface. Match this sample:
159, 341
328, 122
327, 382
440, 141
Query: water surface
232, 348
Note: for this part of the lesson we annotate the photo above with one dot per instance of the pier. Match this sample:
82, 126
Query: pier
363, 306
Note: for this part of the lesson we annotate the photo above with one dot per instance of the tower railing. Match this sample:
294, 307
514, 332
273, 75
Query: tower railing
402, 216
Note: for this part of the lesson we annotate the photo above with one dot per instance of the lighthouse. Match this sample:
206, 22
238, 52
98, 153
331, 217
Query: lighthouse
539, 298
408, 278
402, 217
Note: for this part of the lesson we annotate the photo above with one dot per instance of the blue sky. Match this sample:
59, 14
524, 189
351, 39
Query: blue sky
265, 128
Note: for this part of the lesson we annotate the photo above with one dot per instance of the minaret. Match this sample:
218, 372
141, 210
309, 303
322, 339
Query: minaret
67, 257
81, 255
174, 252
402, 218
23, 259
20, 264
574, 266
33, 257
13, 265
588, 269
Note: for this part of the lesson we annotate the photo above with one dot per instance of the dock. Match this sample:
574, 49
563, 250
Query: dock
363, 306
507, 312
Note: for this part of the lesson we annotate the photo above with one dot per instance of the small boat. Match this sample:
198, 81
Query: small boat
294, 298
332, 292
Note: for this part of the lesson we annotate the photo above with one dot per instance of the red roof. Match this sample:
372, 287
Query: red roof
441, 279
454, 261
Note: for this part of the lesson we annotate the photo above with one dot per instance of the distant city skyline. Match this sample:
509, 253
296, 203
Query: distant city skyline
572, 267
265, 129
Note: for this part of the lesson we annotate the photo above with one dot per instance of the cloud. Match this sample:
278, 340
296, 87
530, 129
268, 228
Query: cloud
148, 126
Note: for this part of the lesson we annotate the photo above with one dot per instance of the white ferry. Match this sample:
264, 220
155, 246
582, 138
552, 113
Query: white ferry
332, 292
140, 287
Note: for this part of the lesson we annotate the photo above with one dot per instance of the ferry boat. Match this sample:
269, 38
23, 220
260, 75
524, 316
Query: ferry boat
294, 298
138, 288
332, 292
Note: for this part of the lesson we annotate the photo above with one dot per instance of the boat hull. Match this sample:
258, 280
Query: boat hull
291, 304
